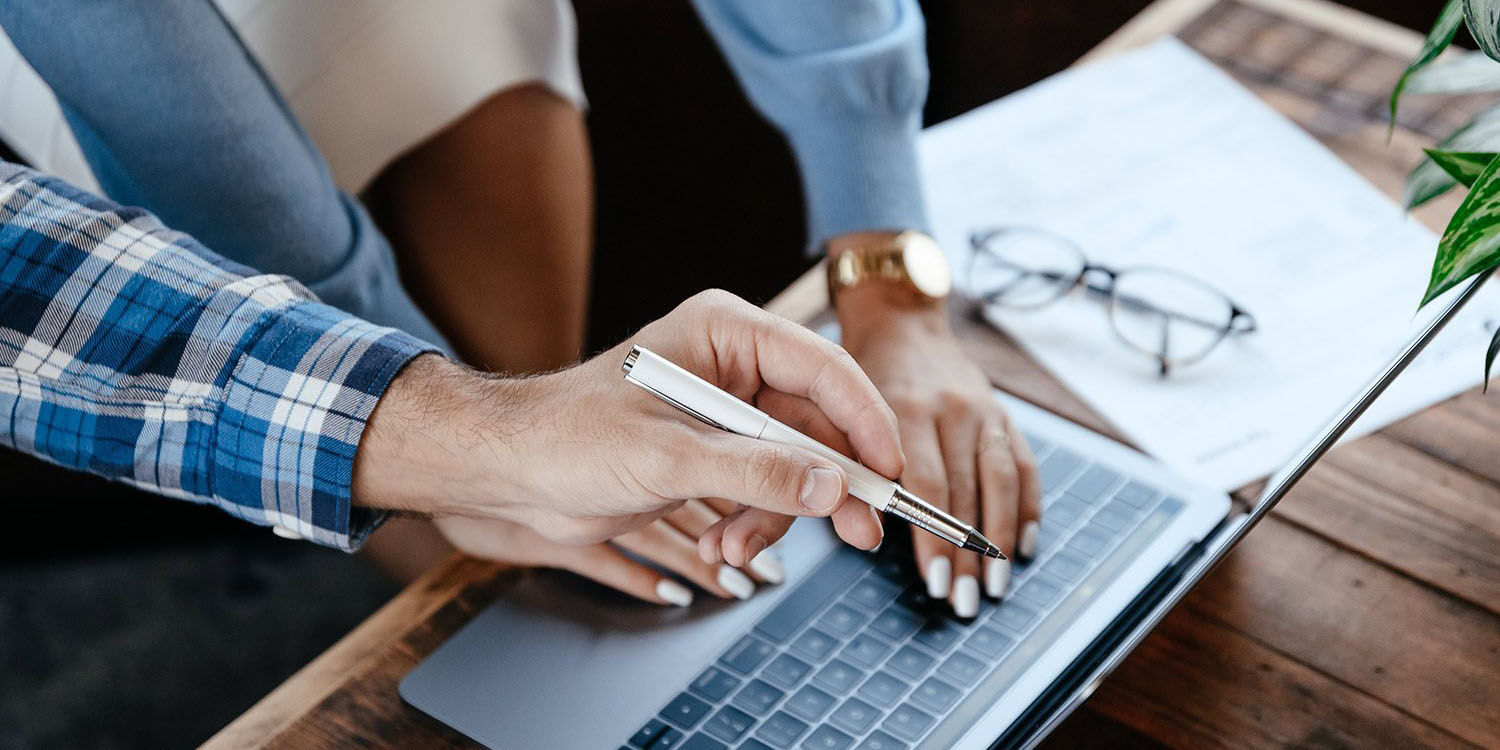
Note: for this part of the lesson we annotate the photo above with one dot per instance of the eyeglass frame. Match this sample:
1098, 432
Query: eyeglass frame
1240, 320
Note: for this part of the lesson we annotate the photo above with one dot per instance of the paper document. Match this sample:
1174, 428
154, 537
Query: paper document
1158, 158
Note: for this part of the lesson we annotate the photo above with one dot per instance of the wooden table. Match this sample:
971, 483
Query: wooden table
1364, 612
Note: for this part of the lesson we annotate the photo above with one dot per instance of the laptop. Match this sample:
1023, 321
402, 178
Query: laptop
849, 652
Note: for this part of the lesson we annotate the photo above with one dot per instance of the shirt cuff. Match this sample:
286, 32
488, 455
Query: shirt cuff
860, 174
295, 407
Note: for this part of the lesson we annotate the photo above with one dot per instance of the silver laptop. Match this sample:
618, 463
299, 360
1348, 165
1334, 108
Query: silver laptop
849, 652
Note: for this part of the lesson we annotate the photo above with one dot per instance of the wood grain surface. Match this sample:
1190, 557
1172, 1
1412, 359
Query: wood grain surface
1365, 612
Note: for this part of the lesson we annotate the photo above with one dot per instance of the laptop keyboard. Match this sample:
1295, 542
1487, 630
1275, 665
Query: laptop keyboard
858, 657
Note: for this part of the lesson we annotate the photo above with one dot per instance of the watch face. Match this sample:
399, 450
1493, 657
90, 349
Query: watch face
926, 266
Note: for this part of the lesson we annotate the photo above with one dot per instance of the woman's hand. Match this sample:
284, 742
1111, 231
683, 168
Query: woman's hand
670, 544
581, 456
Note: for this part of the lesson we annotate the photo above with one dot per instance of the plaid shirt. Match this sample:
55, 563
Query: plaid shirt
131, 351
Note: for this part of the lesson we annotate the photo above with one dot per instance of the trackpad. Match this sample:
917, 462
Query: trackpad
562, 662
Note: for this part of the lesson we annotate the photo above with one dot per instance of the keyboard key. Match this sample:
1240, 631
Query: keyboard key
781, 730
749, 653
1040, 591
843, 620
935, 695
855, 716
963, 669
1113, 519
827, 738
786, 670
702, 742
988, 642
910, 661
729, 724
1089, 543
814, 644
1093, 485
872, 593
895, 623
754, 745
809, 703
1056, 467
1036, 443
1135, 494
656, 735
1066, 512
895, 569
685, 711
714, 684
908, 723
939, 635
758, 697
1049, 537
827, 581
1015, 617
866, 651
882, 689
1067, 566
838, 677
881, 741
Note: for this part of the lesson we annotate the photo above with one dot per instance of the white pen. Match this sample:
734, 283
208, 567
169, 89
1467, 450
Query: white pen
717, 408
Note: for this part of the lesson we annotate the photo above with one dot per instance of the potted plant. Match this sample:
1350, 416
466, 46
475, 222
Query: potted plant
1470, 156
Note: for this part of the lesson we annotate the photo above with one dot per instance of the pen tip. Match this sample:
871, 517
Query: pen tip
983, 546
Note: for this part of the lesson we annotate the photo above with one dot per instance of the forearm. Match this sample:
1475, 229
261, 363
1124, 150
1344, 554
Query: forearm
138, 354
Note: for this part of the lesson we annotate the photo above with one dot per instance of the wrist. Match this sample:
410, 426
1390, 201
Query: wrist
881, 307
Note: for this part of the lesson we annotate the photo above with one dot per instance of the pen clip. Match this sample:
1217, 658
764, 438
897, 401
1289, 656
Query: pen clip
680, 406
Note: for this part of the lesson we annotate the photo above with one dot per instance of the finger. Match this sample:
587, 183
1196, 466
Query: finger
763, 561
925, 478
1030, 481
999, 480
958, 438
756, 473
677, 552
859, 526
609, 566
748, 533
693, 518
793, 359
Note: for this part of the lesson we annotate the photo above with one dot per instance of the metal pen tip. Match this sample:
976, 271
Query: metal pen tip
976, 542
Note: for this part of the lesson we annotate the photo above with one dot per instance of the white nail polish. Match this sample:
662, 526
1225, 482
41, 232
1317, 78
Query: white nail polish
673, 592
1027, 548
939, 575
735, 582
966, 596
769, 567
996, 578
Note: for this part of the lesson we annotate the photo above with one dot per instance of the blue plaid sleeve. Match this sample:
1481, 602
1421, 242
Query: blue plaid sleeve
133, 352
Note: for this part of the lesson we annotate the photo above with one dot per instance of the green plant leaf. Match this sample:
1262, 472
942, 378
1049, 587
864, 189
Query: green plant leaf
1483, 17
1428, 180
1489, 358
1437, 40
1471, 243
1462, 166
1469, 73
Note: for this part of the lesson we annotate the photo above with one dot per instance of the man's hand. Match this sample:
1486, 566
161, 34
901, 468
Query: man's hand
581, 456
963, 454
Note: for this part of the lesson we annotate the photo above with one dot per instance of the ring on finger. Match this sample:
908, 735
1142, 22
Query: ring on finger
997, 438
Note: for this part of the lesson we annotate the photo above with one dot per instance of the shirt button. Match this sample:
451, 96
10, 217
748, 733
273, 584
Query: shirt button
286, 533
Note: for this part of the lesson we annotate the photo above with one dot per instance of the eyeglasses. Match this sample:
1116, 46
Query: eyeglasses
1170, 316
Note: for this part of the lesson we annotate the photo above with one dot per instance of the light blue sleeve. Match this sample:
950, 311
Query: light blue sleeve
844, 81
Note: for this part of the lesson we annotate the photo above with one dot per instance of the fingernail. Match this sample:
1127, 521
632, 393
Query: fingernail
755, 545
673, 592
821, 489
768, 566
939, 571
735, 582
966, 596
1027, 548
996, 578
879, 526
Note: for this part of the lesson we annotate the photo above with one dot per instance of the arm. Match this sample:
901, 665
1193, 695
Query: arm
129, 350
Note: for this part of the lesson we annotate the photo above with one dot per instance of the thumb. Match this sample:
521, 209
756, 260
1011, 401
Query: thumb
778, 478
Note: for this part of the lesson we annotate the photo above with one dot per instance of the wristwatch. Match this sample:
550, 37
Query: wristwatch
911, 259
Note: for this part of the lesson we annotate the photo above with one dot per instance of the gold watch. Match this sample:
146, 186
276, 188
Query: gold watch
910, 258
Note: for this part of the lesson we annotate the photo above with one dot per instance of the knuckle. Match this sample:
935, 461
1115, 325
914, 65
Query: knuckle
768, 474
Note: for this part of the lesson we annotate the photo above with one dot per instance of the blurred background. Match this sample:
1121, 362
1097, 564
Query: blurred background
128, 621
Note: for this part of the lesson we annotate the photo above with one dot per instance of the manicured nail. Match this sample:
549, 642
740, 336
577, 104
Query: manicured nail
939, 573
996, 577
1027, 548
768, 566
821, 489
966, 596
673, 592
735, 582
